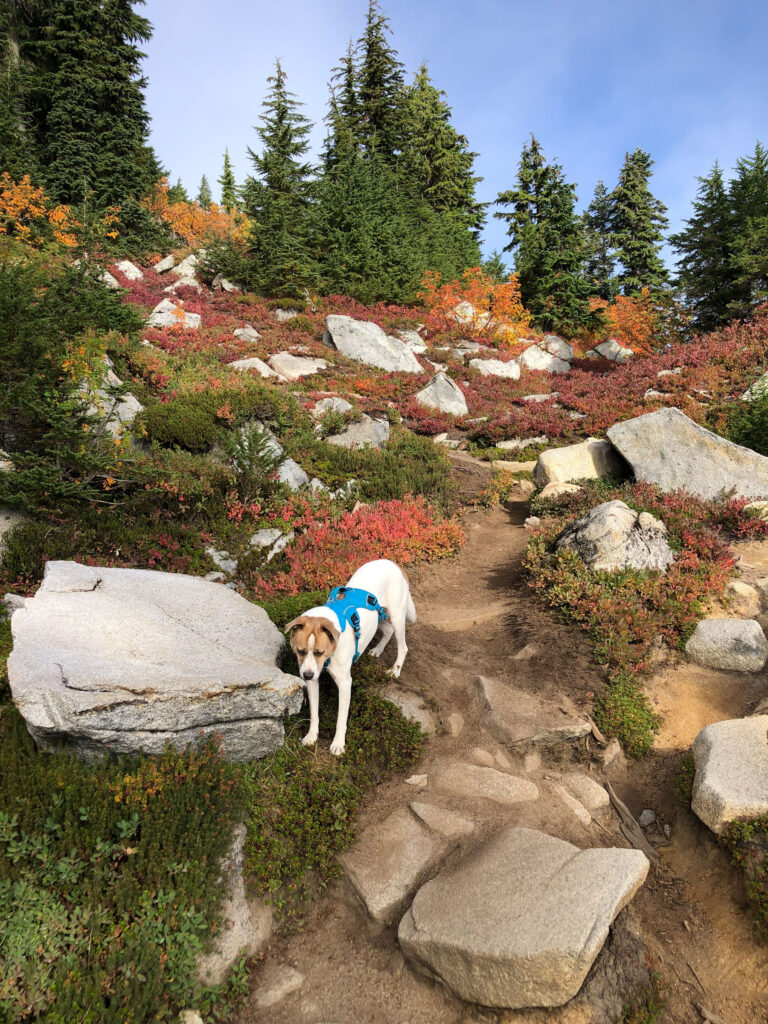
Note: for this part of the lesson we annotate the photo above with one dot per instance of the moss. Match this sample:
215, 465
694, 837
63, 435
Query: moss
747, 842
6, 643
683, 784
179, 424
623, 711
647, 1006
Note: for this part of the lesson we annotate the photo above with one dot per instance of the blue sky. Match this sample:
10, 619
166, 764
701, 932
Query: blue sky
686, 80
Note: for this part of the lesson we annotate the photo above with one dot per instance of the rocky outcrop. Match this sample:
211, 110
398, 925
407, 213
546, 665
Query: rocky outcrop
246, 333
445, 395
733, 645
130, 659
588, 460
520, 922
326, 405
117, 409
535, 358
557, 347
731, 778
129, 270
367, 343
668, 449
472, 782
757, 390
614, 536
612, 350
254, 363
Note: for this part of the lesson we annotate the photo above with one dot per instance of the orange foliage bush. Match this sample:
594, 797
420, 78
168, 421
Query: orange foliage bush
632, 321
190, 222
25, 213
498, 309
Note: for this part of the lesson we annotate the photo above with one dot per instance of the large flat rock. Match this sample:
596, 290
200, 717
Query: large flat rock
470, 782
390, 861
588, 460
519, 922
732, 645
668, 449
517, 717
367, 343
731, 771
131, 659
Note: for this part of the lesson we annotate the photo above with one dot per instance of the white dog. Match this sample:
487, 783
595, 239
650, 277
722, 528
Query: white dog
334, 635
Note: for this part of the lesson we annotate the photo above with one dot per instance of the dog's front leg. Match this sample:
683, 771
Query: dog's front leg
313, 692
344, 685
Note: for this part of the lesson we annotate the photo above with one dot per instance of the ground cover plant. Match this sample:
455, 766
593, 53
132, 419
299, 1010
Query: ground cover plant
628, 611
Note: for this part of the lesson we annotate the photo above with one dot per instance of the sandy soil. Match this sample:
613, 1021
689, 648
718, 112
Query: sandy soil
475, 615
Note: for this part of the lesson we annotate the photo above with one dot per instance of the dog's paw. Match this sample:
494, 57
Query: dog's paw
309, 739
374, 653
337, 748
394, 671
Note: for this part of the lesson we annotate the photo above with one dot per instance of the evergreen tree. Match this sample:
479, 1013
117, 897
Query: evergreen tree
748, 194
706, 270
204, 196
280, 198
436, 156
637, 224
599, 239
84, 96
177, 193
16, 152
380, 91
496, 268
344, 115
548, 243
228, 185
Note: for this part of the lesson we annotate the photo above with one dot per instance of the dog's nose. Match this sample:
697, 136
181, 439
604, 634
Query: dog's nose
307, 675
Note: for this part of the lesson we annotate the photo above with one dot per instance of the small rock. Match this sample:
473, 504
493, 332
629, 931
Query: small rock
647, 817
496, 368
246, 333
223, 559
294, 367
455, 724
412, 707
502, 760
291, 473
285, 981
12, 601
254, 363
589, 793
525, 487
129, 270
189, 1016
743, 599
417, 780
326, 405
613, 755
109, 280
531, 762
757, 390
589, 460
518, 717
284, 315
612, 350
532, 522
443, 394
554, 491
482, 757
668, 831
167, 263
439, 819
735, 645
165, 314
527, 652
502, 466
613, 536
573, 804
518, 443
367, 431
215, 577
535, 358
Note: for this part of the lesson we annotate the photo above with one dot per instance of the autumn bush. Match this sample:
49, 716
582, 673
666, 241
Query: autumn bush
192, 224
497, 309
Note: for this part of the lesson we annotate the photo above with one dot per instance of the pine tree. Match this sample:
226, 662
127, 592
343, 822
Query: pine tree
706, 270
204, 196
280, 197
496, 268
344, 118
84, 96
16, 153
228, 185
380, 89
436, 156
599, 239
548, 243
748, 194
177, 193
637, 225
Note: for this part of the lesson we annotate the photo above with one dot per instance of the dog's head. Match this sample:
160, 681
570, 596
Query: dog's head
313, 640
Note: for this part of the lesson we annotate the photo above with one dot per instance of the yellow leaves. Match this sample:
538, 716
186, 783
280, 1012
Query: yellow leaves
25, 210
498, 309
191, 222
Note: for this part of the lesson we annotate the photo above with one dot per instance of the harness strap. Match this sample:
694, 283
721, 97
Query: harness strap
347, 603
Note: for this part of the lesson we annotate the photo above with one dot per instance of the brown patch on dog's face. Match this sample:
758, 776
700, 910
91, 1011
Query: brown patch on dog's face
313, 641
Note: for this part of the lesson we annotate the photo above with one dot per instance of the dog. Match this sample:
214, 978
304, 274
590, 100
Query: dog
331, 637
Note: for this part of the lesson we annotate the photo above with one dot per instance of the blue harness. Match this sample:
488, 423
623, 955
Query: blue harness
347, 602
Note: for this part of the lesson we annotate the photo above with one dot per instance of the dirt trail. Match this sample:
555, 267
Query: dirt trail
475, 615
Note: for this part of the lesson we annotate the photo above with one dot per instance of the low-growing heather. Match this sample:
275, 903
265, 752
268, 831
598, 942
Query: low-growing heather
627, 611
304, 800
109, 879
406, 531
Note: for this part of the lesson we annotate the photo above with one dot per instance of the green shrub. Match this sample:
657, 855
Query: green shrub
623, 710
6, 643
28, 546
303, 800
747, 841
109, 877
254, 458
748, 423
683, 785
284, 609
179, 424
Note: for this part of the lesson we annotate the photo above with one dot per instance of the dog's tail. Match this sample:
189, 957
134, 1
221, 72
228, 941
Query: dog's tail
410, 610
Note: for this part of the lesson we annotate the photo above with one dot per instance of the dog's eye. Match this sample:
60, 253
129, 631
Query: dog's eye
301, 653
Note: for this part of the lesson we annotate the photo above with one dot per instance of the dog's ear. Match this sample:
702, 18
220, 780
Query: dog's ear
330, 630
295, 624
